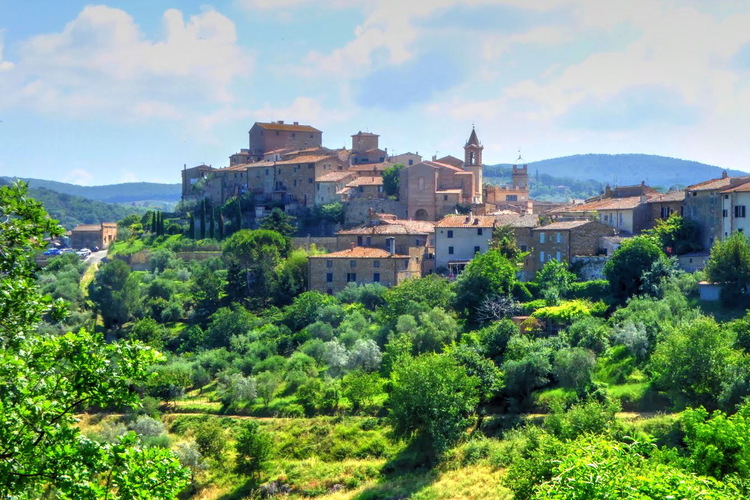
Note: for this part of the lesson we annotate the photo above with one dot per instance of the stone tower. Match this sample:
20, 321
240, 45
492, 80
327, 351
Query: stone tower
473, 163
520, 174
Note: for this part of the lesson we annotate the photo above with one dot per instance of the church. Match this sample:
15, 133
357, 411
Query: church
432, 189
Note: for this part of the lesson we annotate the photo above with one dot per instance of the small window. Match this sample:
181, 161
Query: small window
541, 256
476, 250
352, 263
445, 197
266, 171
368, 241
375, 263
558, 257
511, 197
724, 213
479, 231
329, 264
541, 237
450, 250
726, 196
310, 180
329, 277
350, 277
559, 237
739, 210
523, 248
450, 233
376, 277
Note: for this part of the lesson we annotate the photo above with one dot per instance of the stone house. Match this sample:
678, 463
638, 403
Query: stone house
564, 240
458, 238
93, 235
631, 214
266, 137
666, 204
704, 204
366, 188
296, 175
330, 187
330, 273
511, 197
406, 159
522, 226
365, 149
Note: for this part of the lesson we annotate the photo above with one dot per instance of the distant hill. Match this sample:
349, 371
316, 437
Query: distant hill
74, 210
127, 192
626, 169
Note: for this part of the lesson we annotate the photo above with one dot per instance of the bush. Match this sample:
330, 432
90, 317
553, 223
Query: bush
211, 438
591, 417
254, 449
589, 290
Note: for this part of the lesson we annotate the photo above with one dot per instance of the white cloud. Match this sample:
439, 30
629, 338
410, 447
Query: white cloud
79, 176
102, 64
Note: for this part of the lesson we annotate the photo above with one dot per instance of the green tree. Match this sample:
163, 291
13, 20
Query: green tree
361, 388
392, 179
418, 296
432, 399
52, 377
729, 265
504, 241
487, 276
554, 275
252, 257
115, 293
254, 449
676, 234
281, 222
692, 362
625, 269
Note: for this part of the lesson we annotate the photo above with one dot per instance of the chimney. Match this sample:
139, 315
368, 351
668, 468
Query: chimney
296, 123
471, 216
391, 243
281, 122
724, 174
351, 246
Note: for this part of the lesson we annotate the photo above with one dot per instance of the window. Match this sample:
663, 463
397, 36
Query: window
375, 263
476, 250
511, 197
665, 211
266, 171
558, 236
361, 189
724, 213
368, 241
541, 237
523, 248
558, 257
329, 277
445, 197
411, 162
294, 135
310, 180
450, 233
726, 196
359, 240
311, 136
739, 210
620, 219
352, 263
329, 264
420, 183
479, 231
350, 277
376, 277
541, 256
450, 250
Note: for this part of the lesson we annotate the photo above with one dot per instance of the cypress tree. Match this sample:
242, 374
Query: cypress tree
213, 223
221, 226
191, 226
203, 219
238, 222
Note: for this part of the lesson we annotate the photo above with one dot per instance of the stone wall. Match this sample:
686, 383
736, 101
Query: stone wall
589, 268
357, 212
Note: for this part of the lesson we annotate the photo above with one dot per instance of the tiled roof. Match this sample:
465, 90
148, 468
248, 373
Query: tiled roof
437, 164
287, 126
742, 188
87, 228
451, 160
720, 183
448, 191
337, 176
675, 195
360, 253
366, 181
370, 167
605, 204
563, 225
304, 159
517, 220
393, 227
473, 140
466, 221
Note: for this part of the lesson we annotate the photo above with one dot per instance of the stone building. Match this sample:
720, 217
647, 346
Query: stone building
514, 196
735, 203
365, 149
378, 233
366, 188
93, 235
266, 137
666, 204
564, 240
704, 204
329, 188
330, 273
458, 238
522, 227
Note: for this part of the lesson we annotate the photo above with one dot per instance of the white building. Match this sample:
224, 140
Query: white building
458, 238
734, 210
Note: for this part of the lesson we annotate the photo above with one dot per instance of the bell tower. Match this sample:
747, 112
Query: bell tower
473, 163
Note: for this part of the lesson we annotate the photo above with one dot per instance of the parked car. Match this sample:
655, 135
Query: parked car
67, 250
95, 248
84, 252
53, 251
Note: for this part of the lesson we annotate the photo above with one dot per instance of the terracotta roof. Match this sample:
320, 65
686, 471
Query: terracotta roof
337, 176
437, 164
742, 188
304, 159
466, 221
563, 225
278, 151
286, 126
88, 228
369, 167
676, 195
393, 227
605, 204
360, 253
451, 160
720, 183
365, 181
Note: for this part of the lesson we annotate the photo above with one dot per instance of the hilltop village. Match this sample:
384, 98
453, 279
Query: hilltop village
406, 217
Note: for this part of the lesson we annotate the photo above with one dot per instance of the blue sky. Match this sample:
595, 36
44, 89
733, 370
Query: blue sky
133, 90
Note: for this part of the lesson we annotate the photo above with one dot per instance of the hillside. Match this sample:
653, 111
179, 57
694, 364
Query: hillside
73, 210
127, 192
625, 169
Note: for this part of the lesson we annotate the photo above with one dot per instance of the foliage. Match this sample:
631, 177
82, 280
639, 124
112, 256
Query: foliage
574, 367
487, 275
210, 437
569, 311
418, 295
677, 234
589, 417
729, 265
51, 376
554, 275
392, 179
332, 212
625, 269
280, 222
115, 293
361, 388
431, 400
252, 257
254, 449
504, 241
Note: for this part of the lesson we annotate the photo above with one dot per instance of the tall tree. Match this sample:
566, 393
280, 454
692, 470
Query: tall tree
729, 265
53, 377
625, 269
487, 276
115, 293
252, 257
203, 218
279, 221
392, 179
